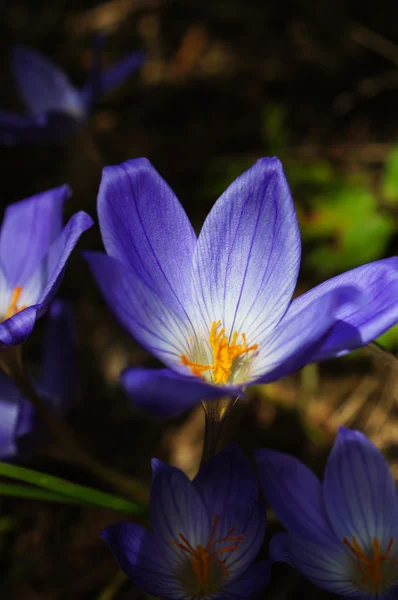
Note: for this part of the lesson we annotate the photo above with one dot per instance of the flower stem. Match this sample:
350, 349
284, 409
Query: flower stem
216, 412
70, 449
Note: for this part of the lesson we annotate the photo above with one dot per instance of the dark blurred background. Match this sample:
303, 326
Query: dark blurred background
224, 83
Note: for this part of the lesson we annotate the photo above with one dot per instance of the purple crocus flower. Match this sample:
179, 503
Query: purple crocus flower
20, 426
206, 533
34, 249
55, 108
218, 309
342, 533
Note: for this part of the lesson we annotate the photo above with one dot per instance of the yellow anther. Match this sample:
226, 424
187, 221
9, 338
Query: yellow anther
201, 557
13, 309
224, 354
370, 567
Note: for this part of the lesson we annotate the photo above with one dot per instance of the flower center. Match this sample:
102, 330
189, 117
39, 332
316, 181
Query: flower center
378, 571
224, 351
206, 569
13, 309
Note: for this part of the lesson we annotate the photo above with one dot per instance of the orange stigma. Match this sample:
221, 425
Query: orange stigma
201, 557
370, 567
13, 309
224, 353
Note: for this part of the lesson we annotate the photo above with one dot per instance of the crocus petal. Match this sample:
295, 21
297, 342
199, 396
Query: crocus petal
250, 583
42, 85
118, 73
10, 397
297, 336
144, 559
165, 393
227, 479
140, 309
145, 227
359, 491
18, 328
47, 276
390, 594
294, 493
251, 524
101, 83
248, 253
359, 325
329, 566
16, 129
279, 548
29, 429
45, 128
58, 365
176, 508
29, 228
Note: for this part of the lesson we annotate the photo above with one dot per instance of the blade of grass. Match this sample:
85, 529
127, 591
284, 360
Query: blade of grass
82, 494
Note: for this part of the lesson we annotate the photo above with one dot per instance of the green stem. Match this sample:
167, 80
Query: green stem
113, 587
216, 412
70, 450
61, 490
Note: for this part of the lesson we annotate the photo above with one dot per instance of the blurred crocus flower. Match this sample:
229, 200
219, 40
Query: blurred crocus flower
20, 426
218, 309
55, 108
342, 533
206, 533
34, 249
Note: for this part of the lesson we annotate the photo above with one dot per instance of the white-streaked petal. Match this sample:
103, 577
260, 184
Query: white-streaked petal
248, 253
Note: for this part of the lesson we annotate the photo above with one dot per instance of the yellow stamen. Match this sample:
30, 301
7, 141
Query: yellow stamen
370, 567
13, 309
201, 557
224, 353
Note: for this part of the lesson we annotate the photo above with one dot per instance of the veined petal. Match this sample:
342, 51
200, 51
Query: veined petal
357, 325
42, 85
247, 257
141, 309
145, 227
18, 328
165, 393
144, 559
29, 228
249, 583
329, 566
295, 495
58, 363
44, 281
177, 508
359, 491
251, 524
227, 479
296, 338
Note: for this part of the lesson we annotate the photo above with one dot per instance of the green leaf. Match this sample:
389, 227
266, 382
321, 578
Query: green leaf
390, 177
81, 494
27, 491
389, 339
346, 226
